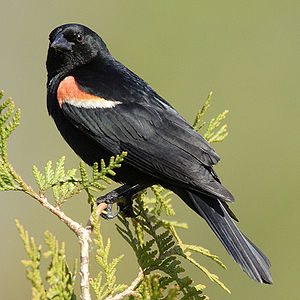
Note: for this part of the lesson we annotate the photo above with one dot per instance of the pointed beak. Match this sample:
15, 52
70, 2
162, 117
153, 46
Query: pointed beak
61, 44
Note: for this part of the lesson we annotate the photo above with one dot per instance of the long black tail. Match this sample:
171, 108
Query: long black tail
243, 251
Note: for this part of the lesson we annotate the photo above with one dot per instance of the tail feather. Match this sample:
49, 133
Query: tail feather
244, 252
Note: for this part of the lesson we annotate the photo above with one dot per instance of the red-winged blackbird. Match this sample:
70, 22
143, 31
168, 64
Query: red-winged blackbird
101, 109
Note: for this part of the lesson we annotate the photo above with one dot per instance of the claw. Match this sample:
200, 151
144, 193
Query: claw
109, 214
123, 197
109, 199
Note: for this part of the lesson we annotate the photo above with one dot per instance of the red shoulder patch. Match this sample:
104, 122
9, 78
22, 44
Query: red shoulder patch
69, 90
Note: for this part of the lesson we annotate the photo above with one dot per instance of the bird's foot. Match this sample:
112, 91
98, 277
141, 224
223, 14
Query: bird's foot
108, 212
123, 197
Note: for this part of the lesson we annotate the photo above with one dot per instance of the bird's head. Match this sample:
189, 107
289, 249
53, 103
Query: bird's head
72, 46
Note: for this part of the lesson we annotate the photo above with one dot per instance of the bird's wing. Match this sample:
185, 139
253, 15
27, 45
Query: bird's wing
158, 140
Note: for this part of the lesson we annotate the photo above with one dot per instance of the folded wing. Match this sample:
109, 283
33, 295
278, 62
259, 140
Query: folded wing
158, 140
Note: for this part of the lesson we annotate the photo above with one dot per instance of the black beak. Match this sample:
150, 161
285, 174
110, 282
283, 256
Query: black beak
61, 44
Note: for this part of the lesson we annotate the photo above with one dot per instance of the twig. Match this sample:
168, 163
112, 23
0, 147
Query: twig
83, 235
130, 290
84, 239
99, 211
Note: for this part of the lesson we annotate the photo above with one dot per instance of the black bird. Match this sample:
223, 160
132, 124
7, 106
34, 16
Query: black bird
101, 108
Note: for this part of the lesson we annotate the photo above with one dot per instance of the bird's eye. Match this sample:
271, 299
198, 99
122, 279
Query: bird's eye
79, 37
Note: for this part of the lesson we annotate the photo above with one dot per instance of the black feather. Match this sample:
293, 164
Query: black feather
155, 145
243, 251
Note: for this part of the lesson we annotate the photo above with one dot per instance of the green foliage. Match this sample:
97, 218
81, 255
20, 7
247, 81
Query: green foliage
159, 253
198, 124
60, 280
151, 288
109, 286
66, 184
158, 247
210, 135
8, 123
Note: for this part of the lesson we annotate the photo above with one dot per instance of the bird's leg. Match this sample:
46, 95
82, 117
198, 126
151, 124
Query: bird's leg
123, 197
126, 206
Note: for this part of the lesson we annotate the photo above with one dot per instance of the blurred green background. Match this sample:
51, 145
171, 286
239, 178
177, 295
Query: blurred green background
244, 51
